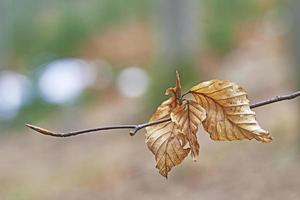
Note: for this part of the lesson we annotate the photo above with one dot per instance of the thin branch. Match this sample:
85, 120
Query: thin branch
54, 134
276, 99
136, 128
141, 126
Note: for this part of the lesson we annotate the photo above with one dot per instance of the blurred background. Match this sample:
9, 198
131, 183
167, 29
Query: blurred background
69, 65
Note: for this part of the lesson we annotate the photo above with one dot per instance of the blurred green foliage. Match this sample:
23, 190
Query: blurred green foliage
58, 28
222, 17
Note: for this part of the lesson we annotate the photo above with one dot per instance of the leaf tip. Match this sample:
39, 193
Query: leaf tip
166, 176
266, 138
177, 74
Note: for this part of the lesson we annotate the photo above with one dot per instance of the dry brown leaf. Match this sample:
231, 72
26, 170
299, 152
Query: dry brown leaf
229, 116
165, 140
188, 116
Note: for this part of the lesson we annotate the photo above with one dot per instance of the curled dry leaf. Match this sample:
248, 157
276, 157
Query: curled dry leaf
188, 116
229, 116
165, 140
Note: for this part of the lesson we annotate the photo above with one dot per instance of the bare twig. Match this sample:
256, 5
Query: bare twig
136, 128
276, 99
47, 132
141, 126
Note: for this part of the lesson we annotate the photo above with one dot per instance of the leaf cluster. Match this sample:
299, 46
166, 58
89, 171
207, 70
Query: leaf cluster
221, 107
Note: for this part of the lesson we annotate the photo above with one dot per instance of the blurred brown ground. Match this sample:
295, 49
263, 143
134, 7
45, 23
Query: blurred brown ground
117, 166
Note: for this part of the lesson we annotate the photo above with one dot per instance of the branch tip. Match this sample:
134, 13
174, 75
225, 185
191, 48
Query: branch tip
39, 129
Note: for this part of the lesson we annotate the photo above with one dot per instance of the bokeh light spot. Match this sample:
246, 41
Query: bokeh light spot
133, 82
15, 90
64, 80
